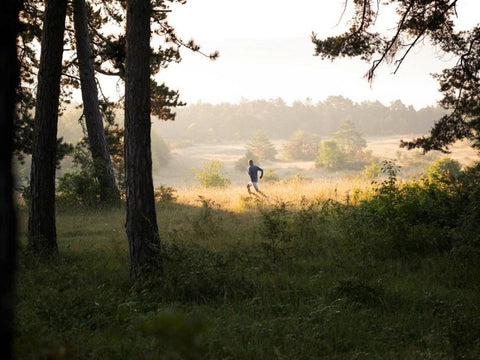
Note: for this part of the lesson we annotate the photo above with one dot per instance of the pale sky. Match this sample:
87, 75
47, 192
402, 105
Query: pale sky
266, 52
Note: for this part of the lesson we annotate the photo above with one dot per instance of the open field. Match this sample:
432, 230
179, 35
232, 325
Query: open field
178, 172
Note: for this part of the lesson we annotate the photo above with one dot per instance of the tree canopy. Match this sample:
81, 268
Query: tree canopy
419, 20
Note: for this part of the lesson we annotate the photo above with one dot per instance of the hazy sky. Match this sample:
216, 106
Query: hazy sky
266, 52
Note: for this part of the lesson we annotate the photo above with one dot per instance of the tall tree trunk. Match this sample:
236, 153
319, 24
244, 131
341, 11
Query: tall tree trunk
9, 76
141, 223
93, 119
41, 223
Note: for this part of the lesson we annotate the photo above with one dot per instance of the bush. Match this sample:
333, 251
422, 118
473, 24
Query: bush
165, 194
420, 218
372, 171
301, 146
443, 169
274, 228
78, 187
329, 156
261, 146
211, 174
242, 163
270, 176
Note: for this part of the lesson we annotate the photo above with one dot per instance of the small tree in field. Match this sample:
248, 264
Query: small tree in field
261, 146
349, 139
443, 169
301, 146
211, 174
329, 156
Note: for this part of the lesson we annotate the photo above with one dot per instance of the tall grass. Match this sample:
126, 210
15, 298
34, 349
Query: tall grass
233, 197
321, 270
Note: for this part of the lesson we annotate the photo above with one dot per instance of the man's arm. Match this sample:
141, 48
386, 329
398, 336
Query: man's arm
261, 172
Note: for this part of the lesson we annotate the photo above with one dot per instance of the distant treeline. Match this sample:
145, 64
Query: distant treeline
226, 121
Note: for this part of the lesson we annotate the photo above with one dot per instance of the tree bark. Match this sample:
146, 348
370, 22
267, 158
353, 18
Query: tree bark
141, 222
9, 75
93, 119
41, 224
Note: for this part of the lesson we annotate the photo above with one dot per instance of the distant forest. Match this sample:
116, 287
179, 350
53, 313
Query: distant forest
204, 122
207, 123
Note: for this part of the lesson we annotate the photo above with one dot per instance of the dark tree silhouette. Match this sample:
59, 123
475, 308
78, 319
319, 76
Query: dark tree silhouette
141, 222
419, 20
93, 118
9, 74
41, 223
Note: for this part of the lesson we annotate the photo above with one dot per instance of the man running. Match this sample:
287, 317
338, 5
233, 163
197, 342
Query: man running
253, 173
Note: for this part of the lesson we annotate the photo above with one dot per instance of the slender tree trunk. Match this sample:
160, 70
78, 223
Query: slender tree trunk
141, 223
93, 119
41, 224
9, 76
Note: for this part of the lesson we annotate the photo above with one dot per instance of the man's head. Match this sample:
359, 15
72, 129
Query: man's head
250, 162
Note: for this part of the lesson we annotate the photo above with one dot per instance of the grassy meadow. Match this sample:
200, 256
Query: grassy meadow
324, 269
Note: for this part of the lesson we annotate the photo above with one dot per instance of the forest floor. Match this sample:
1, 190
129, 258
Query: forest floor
322, 270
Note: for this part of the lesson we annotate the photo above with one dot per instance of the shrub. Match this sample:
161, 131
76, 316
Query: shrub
206, 225
270, 176
372, 171
165, 194
443, 169
329, 156
242, 163
301, 146
211, 174
274, 229
78, 187
261, 146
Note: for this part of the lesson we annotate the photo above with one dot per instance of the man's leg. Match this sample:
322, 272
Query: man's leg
257, 189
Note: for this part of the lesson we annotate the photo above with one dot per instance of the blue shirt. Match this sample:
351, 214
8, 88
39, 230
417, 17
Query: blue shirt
253, 172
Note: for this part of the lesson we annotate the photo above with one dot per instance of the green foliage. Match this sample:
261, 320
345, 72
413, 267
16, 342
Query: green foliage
403, 259
207, 224
436, 21
301, 146
330, 156
443, 169
349, 139
274, 229
77, 188
372, 171
414, 217
211, 174
196, 274
237, 121
81, 185
165, 194
242, 163
270, 176
392, 172
344, 151
261, 146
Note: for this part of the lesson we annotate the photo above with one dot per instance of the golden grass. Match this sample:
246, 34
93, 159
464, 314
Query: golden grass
233, 197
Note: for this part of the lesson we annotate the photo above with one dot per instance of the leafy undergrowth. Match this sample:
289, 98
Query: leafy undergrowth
393, 276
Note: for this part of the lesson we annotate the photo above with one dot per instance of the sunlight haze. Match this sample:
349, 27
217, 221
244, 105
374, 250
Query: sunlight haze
266, 52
